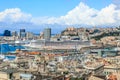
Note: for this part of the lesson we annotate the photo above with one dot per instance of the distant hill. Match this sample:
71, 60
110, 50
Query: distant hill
56, 28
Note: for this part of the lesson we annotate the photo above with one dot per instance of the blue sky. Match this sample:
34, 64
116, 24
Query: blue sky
58, 14
50, 7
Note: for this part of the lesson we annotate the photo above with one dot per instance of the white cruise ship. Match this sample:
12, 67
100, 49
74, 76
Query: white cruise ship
56, 44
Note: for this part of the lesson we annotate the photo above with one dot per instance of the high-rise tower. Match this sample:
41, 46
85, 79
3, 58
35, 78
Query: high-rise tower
47, 33
22, 33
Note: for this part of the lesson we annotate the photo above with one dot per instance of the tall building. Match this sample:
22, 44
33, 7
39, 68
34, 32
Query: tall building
41, 35
14, 33
29, 35
47, 33
7, 33
22, 33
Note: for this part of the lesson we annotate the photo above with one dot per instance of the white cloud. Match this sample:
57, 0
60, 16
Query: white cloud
105, 16
83, 14
44, 20
80, 15
117, 3
14, 15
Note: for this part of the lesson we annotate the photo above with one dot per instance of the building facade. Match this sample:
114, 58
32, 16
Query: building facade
47, 33
22, 33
